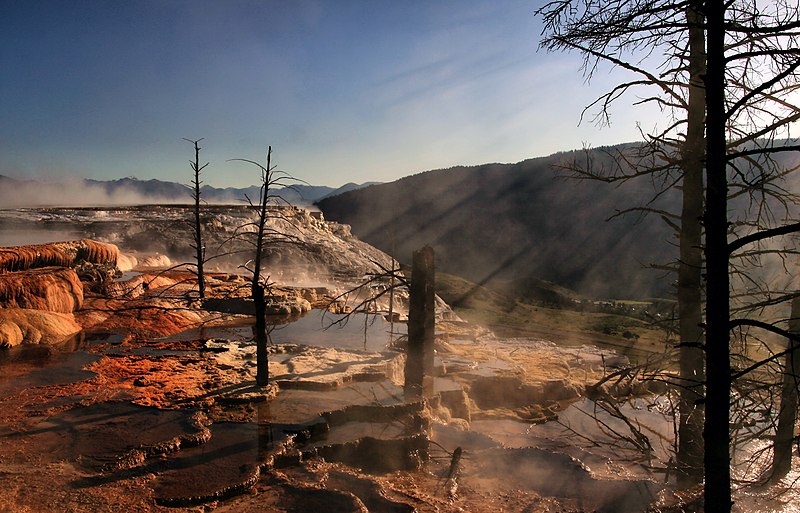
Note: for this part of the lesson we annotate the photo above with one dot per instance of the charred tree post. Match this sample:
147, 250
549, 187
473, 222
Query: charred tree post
421, 323
784, 435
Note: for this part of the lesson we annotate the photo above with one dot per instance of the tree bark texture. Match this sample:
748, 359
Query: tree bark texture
718, 370
690, 308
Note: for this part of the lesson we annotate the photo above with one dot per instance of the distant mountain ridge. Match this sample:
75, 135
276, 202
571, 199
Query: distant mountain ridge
350, 186
15, 193
509, 225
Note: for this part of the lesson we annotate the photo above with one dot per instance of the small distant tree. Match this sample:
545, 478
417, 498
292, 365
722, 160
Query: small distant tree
198, 245
265, 234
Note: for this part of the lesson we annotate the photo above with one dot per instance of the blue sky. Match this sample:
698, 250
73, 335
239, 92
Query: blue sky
343, 90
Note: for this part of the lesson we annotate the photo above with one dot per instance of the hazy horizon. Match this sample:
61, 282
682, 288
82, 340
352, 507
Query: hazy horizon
186, 179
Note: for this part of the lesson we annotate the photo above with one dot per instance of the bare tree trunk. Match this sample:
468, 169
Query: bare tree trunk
391, 305
270, 178
262, 356
787, 418
200, 255
690, 307
421, 323
718, 368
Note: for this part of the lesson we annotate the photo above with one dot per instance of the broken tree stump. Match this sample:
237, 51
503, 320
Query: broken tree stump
421, 324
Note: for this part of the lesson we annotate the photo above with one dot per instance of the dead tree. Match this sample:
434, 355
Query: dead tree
750, 73
751, 68
607, 32
787, 416
756, 65
198, 244
691, 362
266, 235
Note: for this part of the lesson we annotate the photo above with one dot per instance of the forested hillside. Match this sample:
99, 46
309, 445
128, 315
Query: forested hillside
506, 225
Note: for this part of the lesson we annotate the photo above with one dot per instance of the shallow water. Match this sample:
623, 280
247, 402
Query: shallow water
589, 434
226, 464
783, 497
302, 406
557, 475
105, 435
584, 418
354, 430
363, 332
42, 365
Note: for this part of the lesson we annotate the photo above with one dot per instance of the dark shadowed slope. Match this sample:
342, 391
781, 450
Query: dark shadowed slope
503, 224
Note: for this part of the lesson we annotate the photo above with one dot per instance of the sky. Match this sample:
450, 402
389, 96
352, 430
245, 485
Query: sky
343, 90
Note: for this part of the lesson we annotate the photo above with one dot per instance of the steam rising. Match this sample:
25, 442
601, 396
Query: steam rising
161, 236
75, 193
131, 191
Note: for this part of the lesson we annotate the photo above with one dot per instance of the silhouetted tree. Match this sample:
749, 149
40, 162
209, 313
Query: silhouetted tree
748, 73
265, 210
752, 61
198, 243
608, 31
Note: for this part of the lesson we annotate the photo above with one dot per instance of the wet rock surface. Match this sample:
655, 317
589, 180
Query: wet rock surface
25, 326
113, 436
52, 289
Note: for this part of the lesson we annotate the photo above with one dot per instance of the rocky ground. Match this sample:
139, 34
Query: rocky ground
134, 395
